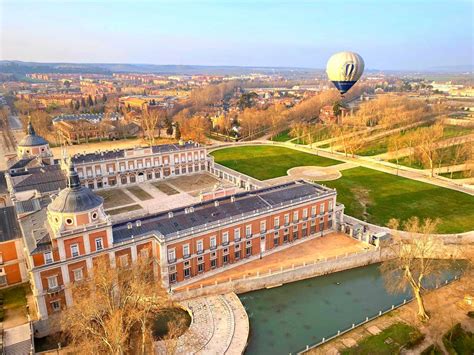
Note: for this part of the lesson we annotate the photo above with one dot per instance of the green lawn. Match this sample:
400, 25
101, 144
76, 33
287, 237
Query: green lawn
389, 341
114, 198
139, 193
267, 162
458, 174
283, 136
376, 197
456, 131
447, 155
459, 341
14, 297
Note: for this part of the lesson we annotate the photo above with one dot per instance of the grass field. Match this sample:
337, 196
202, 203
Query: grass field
458, 174
399, 334
380, 146
283, 136
114, 198
447, 158
139, 193
376, 197
124, 209
165, 188
267, 162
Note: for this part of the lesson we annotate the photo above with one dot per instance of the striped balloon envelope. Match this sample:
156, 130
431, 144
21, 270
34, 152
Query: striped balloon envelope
344, 69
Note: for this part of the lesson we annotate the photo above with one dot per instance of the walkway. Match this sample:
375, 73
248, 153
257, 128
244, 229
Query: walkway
17, 340
219, 326
331, 245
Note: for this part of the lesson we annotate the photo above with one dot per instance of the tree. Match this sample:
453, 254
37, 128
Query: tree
67, 83
461, 154
112, 306
104, 98
150, 120
428, 144
395, 143
177, 131
83, 102
415, 257
90, 102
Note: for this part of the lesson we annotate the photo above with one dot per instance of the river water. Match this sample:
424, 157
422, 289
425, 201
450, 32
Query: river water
285, 319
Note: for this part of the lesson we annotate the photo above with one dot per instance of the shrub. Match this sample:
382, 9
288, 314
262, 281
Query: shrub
470, 314
415, 339
433, 349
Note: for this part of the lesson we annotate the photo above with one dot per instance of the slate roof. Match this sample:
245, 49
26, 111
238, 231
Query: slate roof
45, 179
75, 198
206, 213
9, 227
31, 139
120, 153
35, 234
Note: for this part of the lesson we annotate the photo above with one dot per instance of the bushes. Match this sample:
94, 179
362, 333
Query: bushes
433, 349
459, 341
416, 338
470, 314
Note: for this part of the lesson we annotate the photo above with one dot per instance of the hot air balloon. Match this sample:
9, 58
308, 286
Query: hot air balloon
344, 69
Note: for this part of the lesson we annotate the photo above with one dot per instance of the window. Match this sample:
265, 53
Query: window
48, 257
313, 211
295, 216
78, 275
287, 219
248, 231
330, 206
171, 255
237, 234
74, 250
213, 263
237, 255
213, 242
98, 244
321, 208
69, 221
276, 240
173, 277
263, 226
187, 272
186, 251
123, 260
3, 280
276, 222
200, 267
56, 306
145, 253
248, 251
225, 238
52, 282
200, 247
225, 259
305, 213
94, 215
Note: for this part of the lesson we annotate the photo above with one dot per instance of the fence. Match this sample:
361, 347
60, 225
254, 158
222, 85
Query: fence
276, 277
368, 319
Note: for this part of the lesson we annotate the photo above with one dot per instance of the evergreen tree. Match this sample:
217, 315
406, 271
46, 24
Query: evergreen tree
76, 105
83, 102
177, 132
90, 102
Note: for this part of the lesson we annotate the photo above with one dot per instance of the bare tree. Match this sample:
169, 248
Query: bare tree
428, 144
150, 120
416, 255
395, 143
110, 304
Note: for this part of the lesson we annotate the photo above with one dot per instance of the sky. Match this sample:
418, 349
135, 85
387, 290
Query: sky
390, 35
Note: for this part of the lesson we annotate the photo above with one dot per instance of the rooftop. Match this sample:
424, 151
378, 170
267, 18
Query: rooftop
31, 139
9, 228
205, 215
45, 179
120, 153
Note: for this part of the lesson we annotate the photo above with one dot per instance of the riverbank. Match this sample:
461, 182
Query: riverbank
446, 308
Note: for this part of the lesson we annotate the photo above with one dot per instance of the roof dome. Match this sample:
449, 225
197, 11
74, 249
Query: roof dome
75, 197
31, 139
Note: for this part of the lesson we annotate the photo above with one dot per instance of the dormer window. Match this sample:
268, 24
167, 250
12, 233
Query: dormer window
48, 257
94, 215
69, 221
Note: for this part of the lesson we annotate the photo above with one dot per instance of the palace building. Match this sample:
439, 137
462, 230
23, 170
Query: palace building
63, 240
62, 226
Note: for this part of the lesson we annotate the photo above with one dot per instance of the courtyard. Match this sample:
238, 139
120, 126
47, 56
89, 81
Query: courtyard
157, 196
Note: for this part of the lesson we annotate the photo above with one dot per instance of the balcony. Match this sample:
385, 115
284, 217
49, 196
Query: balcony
277, 227
248, 236
186, 256
171, 260
225, 243
200, 251
237, 239
213, 247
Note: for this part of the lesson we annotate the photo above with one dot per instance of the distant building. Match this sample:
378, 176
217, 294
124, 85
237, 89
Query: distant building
326, 114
